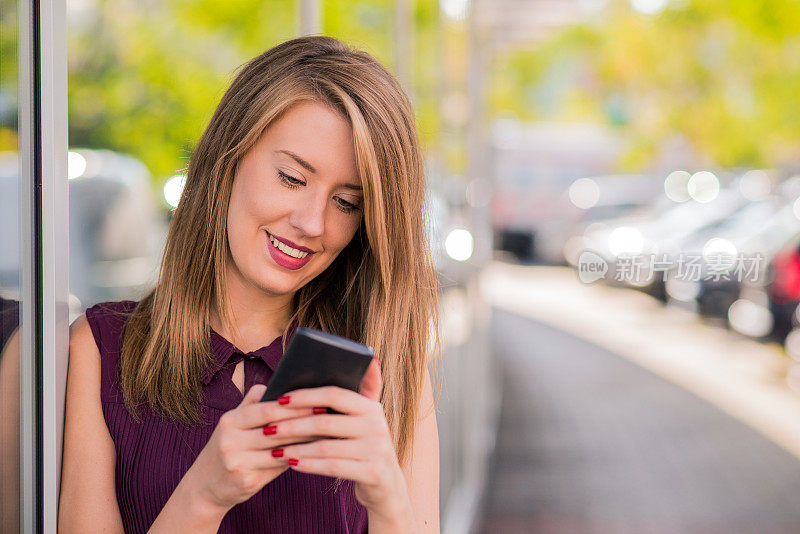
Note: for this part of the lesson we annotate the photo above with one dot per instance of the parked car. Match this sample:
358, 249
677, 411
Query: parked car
752, 235
532, 166
116, 227
657, 234
783, 288
592, 200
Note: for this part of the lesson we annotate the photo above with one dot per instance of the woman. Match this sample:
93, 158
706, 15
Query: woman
302, 206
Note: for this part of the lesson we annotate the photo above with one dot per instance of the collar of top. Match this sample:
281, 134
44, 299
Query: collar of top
223, 350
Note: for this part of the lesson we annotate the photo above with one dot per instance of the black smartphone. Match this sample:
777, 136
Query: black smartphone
315, 358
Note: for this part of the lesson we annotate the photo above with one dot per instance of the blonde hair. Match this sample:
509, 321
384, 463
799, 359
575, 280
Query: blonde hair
380, 290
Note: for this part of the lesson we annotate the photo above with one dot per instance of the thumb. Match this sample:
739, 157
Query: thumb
372, 383
254, 394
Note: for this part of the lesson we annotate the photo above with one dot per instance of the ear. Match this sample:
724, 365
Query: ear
372, 383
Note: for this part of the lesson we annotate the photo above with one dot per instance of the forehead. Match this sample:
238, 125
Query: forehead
318, 134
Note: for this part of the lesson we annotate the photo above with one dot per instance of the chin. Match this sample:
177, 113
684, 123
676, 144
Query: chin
276, 286
280, 282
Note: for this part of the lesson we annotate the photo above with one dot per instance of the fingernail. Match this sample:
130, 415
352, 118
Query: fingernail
283, 400
277, 453
293, 461
319, 409
269, 430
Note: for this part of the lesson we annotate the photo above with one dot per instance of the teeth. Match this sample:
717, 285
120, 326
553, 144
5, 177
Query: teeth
289, 251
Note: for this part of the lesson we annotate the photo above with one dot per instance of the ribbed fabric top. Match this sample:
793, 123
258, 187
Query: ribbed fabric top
154, 454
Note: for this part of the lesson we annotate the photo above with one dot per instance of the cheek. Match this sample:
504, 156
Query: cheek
344, 232
243, 223
235, 226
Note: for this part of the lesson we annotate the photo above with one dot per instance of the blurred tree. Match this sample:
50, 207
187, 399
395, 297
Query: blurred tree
725, 74
8, 75
145, 76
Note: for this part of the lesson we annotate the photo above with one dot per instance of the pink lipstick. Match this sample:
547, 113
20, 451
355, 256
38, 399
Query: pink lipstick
285, 260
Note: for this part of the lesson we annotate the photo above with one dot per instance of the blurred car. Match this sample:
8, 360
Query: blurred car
533, 164
742, 246
116, 227
782, 289
458, 230
659, 234
591, 200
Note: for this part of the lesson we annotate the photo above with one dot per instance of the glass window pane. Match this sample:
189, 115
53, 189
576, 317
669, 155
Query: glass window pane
9, 272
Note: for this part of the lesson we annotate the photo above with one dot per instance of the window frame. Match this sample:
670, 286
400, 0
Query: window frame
44, 267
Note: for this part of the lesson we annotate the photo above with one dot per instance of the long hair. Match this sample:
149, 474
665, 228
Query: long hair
380, 290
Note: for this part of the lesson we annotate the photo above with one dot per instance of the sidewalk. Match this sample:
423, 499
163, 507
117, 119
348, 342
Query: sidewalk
592, 443
741, 377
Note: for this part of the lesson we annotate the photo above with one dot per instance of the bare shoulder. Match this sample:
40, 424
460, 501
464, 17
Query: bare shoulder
81, 338
83, 372
422, 470
88, 497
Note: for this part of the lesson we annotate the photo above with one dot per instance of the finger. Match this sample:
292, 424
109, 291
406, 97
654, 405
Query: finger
328, 425
260, 414
372, 383
262, 459
340, 399
253, 394
355, 470
256, 439
354, 449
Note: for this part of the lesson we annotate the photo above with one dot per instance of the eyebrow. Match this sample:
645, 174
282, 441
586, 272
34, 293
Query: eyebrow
311, 168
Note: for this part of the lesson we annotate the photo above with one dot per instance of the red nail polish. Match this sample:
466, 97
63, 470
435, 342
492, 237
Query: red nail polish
277, 453
270, 429
319, 409
293, 461
283, 400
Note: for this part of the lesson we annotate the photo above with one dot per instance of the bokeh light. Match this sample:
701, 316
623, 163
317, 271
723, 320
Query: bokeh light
720, 253
755, 185
676, 186
792, 344
584, 193
749, 318
76, 165
703, 186
173, 188
625, 240
649, 7
459, 244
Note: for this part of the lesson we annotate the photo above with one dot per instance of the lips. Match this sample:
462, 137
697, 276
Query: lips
292, 244
284, 260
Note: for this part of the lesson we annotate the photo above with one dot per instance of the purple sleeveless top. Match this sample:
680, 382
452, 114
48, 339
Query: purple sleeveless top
154, 454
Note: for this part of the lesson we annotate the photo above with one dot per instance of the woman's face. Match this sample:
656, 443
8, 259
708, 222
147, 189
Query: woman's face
297, 185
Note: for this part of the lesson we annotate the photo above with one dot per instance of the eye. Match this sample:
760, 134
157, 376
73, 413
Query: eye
290, 181
346, 206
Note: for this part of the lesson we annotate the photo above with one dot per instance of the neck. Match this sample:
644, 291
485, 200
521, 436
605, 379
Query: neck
257, 317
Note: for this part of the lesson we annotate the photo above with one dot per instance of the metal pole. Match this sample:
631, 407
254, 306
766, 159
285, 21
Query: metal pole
404, 43
30, 499
45, 269
310, 17
54, 249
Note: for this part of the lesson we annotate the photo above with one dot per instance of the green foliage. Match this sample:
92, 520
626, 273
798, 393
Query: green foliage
145, 77
8, 75
723, 73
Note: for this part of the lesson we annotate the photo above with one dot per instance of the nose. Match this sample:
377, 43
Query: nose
308, 217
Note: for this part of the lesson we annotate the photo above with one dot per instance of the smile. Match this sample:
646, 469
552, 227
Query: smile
286, 249
286, 255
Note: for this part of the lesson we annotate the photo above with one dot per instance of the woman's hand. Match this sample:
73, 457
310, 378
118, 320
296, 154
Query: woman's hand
361, 449
237, 461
